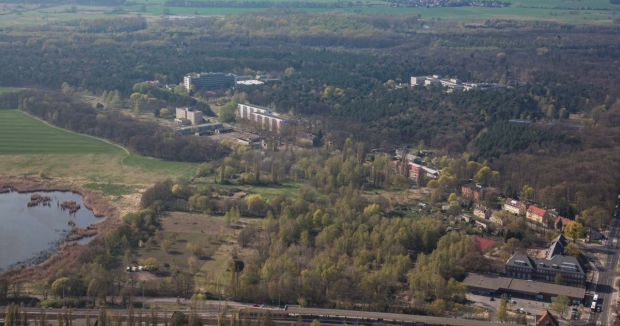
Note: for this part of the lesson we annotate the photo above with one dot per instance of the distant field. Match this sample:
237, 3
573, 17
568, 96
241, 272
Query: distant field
9, 89
549, 10
29, 146
21, 134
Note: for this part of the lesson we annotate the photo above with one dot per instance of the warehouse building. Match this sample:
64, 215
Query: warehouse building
496, 285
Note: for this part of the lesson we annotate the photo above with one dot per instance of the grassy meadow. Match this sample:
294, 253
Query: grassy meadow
30, 146
22, 134
9, 89
546, 10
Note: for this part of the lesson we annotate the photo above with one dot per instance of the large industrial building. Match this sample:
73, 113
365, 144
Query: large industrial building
211, 80
265, 117
186, 116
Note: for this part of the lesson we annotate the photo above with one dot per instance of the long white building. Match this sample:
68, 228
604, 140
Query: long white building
265, 117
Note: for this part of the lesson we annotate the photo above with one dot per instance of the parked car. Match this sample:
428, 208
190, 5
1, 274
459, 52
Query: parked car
492, 299
255, 305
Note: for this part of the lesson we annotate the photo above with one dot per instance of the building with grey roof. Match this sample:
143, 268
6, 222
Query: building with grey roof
496, 285
555, 263
204, 128
557, 246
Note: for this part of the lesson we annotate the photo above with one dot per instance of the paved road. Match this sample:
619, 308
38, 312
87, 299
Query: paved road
607, 276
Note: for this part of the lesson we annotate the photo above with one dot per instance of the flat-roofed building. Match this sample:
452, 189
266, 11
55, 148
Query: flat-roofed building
210, 80
264, 117
188, 116
496, 285
205, 128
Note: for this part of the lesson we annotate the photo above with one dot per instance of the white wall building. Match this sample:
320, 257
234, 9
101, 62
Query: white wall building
264, 116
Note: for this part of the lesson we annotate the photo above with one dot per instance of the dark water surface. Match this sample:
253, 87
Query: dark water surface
30, 234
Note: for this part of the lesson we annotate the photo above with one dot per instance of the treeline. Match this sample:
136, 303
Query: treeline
158, 97
145, 138
109, 25
506, 138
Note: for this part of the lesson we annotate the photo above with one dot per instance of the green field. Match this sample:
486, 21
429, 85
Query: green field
9, 89
21, 134
548, 10
30, 146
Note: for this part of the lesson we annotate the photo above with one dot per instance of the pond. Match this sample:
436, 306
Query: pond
31, 234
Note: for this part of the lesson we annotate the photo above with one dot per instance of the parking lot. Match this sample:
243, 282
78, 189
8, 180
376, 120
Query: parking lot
529, 306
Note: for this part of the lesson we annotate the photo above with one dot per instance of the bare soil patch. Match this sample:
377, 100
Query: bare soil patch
192, 223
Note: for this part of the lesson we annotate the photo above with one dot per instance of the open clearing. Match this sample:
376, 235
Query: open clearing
209, 232
30, 146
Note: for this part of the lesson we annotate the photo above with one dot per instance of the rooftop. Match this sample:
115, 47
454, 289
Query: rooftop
536, 210
557, 246
521, 260
514, 203
495, 283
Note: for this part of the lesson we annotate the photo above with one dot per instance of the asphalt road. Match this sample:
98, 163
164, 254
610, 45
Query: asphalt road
607, 275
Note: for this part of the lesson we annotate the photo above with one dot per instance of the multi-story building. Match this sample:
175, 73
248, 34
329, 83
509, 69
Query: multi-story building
210, 80
187, 116
547, 269
529, 268
536, 214
514, 206
265, 117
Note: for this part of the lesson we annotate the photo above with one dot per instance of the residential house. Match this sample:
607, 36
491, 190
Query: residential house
536, 214
472, 191
482, 212
561, 223
514, 206
546, 319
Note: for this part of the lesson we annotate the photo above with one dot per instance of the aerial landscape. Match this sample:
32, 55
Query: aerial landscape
308, 162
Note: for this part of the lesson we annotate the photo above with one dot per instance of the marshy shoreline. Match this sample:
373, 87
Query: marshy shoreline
68, 250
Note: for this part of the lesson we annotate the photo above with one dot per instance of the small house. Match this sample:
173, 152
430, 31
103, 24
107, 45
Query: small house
536, 214
514, 206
